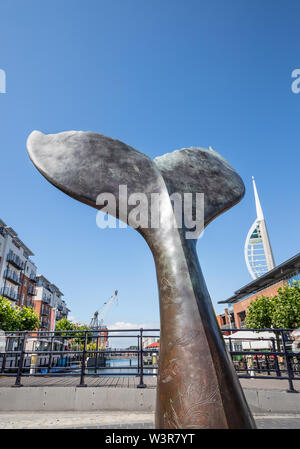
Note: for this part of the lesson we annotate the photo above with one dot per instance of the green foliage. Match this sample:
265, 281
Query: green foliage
280, 311
17, 319
259, 314
93, 347
28, 319
66, 325
286, 314
8, 317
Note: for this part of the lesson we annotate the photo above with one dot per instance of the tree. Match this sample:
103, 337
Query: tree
8, 318
286, 314
66, 325
17, 319
27, 319
280, 311
260, 312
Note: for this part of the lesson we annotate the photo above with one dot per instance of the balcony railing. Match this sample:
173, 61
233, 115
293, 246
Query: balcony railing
31, 291
33, 278
15, 261
9, 293
45, 312
12, 276
46, 299
44, 324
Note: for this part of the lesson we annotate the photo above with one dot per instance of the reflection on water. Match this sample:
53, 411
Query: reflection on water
126, 367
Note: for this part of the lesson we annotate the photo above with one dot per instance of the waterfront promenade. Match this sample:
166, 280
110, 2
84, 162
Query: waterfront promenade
117, 391
117, 420
132, 382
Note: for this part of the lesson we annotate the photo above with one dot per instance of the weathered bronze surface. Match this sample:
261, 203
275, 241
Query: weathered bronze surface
197, 384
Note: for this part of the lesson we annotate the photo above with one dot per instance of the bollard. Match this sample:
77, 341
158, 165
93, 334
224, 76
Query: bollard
33, 363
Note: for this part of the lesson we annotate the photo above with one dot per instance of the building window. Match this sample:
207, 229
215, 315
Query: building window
242, 316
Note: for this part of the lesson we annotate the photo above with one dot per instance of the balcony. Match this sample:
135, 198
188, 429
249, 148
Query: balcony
45, 312
10, 293
31, 291
46, 299
44, 324
60, 316
33, 278
12, 276
15, 261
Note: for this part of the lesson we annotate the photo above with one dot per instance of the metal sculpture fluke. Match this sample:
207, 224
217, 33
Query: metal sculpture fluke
197, 384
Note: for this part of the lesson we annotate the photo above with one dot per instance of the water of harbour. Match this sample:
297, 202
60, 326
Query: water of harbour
120, 367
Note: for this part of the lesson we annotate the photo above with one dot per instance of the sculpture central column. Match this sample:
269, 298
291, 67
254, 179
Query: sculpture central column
197, 384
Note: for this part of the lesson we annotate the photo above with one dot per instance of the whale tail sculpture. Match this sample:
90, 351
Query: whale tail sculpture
197, 384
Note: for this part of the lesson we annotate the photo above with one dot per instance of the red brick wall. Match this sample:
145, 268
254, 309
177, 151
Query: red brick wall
245, 303
23, 290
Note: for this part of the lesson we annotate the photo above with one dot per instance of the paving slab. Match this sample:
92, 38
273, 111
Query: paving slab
117, 420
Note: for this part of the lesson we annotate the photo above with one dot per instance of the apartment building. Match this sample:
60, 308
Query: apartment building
17, 270
20, 284
48, 303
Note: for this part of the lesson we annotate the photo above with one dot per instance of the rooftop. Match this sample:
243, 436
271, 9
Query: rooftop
14, 235
271, 277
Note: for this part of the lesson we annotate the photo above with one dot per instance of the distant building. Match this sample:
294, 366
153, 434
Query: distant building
258, 252
17, 270
148, 341
20, 284
265, 285
48, 303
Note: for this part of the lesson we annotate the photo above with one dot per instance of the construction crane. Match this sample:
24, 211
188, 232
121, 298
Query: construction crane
98, 319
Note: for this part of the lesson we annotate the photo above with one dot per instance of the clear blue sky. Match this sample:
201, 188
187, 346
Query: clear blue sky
159, 75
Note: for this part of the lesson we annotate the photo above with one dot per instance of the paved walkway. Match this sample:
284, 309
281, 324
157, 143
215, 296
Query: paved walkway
91, 381
132, 382
115, 420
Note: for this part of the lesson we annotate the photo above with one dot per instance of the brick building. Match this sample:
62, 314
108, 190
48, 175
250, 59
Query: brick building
48, 303
266, 285
20, 284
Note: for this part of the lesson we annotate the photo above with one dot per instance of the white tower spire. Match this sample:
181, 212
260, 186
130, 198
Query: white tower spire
258, 252
259, 212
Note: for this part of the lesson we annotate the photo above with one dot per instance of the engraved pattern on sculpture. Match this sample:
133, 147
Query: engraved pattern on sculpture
189, 417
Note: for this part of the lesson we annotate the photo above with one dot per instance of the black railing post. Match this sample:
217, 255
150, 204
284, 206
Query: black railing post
267, 364
96, 358
82, 375
230, 348
141, 384
50, 355
257, 363
21, 360
278, 372
138, 356
287, 361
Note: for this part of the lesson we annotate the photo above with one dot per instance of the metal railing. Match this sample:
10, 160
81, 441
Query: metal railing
264, 357
12, 276
15, 260
10, 293
86, 353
